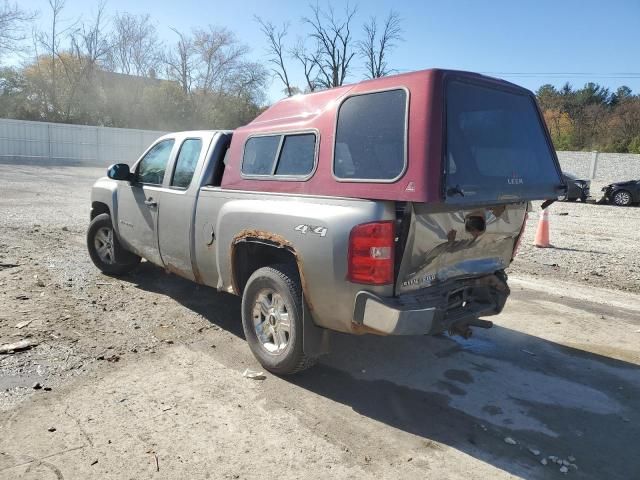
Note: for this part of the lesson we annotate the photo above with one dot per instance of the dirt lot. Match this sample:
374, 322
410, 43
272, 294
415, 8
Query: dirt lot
142, 377
594, 244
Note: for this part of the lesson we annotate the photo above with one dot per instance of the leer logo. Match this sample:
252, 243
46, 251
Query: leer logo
515, 179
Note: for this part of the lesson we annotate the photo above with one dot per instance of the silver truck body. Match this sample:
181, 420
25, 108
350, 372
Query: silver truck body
195, 232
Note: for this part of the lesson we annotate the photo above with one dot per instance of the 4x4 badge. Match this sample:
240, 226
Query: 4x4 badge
322, 231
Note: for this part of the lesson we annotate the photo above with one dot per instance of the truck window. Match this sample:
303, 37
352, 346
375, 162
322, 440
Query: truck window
186, 162
371, 137
496, 146
260, 154
297, 155
152, 167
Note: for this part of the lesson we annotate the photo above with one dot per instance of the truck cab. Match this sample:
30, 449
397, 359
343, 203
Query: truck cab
390, 207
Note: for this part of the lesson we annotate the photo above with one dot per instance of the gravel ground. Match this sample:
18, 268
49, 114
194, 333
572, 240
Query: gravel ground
146, 371
592, 244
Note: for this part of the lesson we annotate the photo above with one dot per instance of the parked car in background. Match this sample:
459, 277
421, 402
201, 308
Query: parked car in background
577, 189
622, 194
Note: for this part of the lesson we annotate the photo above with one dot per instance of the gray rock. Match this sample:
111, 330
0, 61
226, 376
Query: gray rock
510, 441
563, 469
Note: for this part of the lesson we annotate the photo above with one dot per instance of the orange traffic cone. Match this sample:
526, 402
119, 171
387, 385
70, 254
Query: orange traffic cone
542, 234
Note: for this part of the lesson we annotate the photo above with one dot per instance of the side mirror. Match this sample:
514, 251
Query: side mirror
119, 171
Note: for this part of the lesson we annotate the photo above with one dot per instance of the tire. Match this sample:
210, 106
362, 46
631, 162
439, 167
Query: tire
112, 258
622, 198
272, 319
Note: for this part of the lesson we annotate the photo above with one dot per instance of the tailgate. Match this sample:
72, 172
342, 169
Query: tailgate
443, 243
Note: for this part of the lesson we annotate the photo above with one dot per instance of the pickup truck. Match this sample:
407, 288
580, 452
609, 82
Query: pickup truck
390, 207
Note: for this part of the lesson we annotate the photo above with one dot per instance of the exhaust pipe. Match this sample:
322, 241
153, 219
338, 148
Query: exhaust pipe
464, 329
480, 323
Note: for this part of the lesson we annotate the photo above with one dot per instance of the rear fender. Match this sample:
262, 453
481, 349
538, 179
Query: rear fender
315, 231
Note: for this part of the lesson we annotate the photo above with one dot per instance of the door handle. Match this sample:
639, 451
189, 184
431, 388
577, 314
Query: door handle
150, 202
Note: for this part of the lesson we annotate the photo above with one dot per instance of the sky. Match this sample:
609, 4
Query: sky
528, 42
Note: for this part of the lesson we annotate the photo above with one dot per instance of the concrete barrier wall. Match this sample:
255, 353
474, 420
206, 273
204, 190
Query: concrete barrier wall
610, 167
41, 143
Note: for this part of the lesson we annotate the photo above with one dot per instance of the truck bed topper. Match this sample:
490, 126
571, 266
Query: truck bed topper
421, 178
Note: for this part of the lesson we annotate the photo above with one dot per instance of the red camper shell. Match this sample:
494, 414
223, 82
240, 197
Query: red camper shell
420, 177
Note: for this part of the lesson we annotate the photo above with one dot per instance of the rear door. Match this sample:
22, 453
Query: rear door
176, 203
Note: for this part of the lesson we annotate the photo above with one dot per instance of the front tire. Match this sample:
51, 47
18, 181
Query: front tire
105, 250
272, 319
622, 198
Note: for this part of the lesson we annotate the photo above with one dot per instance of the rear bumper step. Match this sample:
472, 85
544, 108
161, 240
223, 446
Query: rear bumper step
433, 310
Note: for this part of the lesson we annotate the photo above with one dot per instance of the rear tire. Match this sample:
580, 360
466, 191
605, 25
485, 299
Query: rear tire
105, 250
622, 198
272, 319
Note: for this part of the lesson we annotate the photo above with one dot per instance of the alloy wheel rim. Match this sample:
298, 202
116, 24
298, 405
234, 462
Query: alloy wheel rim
271, 321
103, 242
622, 198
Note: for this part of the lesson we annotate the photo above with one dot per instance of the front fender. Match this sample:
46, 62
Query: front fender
105, 191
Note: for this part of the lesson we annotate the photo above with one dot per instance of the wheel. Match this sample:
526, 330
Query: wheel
272, 319
105, 250
622, 198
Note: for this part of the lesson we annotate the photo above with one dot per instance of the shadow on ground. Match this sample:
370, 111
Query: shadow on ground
221, 309
469, 394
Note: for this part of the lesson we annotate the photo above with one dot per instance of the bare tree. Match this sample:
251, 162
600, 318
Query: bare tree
12, 26
219, 55
50, 41
335, 44
248, 81
89, 45
309, 63
276, 51
376, 46
89, 42
180, 61
136, 49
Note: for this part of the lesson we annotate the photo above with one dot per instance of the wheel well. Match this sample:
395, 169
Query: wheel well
248, 256
98, 208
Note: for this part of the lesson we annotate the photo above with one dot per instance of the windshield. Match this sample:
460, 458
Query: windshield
496, 148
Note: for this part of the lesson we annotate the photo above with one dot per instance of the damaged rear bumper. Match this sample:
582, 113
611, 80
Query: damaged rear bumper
432, 310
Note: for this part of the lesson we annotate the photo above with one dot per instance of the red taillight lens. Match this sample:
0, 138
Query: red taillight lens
371, 252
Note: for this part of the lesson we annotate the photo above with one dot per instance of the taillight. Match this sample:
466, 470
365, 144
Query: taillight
371, 252
520, 235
